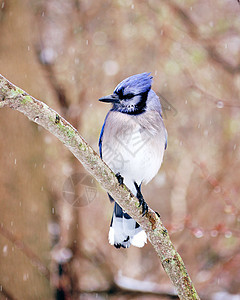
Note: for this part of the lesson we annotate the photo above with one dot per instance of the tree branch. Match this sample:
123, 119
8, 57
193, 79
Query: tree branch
38, 112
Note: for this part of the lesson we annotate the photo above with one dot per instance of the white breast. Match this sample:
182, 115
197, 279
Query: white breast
134, 145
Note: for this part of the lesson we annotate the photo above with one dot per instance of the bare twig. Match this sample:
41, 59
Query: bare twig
26, 251
127, 293
6, 294
192, 30
38, 112
217, 101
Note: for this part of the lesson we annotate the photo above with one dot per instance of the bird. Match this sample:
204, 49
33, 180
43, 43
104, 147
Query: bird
132, 142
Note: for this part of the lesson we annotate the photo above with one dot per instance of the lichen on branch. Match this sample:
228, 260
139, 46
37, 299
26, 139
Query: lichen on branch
38, 112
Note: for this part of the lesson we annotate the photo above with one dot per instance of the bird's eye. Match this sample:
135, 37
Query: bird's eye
120, 94
129, 96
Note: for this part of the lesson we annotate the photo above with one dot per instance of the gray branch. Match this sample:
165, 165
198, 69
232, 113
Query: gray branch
38, 112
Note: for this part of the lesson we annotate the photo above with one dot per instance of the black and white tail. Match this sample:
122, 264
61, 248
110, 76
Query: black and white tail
124, 231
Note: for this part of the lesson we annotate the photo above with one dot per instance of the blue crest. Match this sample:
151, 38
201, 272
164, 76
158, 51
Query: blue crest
136, 84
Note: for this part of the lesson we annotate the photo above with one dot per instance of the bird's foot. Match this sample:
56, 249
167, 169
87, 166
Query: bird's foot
119, 178
144, 205
142, 202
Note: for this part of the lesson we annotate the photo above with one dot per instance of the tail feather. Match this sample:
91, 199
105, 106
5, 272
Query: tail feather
124, 231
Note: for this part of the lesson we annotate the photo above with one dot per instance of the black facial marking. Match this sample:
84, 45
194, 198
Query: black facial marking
120, 94
129, 108
140, 107
129, 96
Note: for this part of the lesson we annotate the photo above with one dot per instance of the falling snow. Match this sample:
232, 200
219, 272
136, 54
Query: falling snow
220, 104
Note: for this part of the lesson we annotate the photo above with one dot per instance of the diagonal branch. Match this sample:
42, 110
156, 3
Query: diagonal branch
193, 31
38, 112
26, 250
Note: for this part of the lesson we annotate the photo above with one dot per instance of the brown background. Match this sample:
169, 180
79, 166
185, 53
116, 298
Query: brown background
70, 53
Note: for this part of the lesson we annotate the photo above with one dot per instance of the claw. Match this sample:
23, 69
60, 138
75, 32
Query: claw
141, 200
119, 178
144, 208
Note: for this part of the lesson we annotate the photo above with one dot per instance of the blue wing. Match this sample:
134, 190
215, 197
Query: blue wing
166, 134
166, 137
100, 146
100, 140
101, 135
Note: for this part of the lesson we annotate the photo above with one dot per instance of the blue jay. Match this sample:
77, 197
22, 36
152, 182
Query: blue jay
132, 143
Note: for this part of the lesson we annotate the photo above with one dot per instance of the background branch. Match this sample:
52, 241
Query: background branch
15, 98
206, 43
26, 251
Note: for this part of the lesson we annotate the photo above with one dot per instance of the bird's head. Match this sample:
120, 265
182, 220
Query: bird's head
130, 95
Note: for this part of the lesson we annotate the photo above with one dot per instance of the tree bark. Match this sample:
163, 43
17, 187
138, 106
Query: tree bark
38, 112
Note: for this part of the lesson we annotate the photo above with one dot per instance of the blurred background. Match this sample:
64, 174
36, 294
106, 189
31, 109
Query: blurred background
54, 218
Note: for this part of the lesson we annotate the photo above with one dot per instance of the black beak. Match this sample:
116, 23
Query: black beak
110, 99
